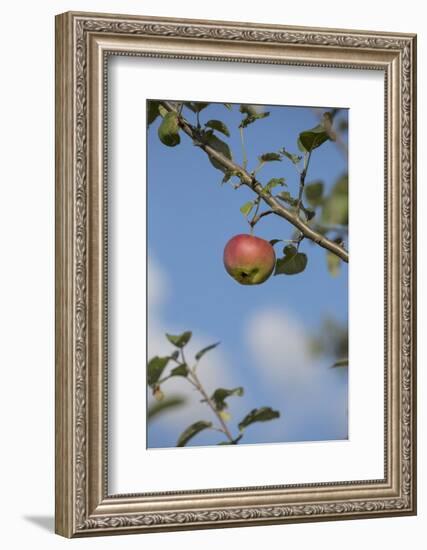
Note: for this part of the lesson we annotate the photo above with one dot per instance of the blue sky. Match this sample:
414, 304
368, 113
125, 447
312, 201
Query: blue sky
263, 329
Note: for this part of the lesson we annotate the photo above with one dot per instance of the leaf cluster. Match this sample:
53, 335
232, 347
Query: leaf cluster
333, 214
218, 401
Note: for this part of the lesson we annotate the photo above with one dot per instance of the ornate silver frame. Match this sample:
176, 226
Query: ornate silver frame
83, 505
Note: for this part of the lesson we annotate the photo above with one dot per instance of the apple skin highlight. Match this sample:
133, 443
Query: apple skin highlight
248, 259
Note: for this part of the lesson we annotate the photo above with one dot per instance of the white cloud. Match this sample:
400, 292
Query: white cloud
215, 366
158, 284
278, 341
313, 396
214, 369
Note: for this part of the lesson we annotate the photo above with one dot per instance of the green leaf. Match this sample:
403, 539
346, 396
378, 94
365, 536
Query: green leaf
220, 395
269, 157
293, 158
155, 367
252, 114
202, 352
274, 182
246, 208
292, 263
180, 340
340, 363
219, 126
180, 370
334, 263
314, 193
285, 196
327, 121
250, 119
162, 406
229, 174
169, 130
163, 112
191, 431
301, 146
247, 109
335, 208
196, 106
152, 111
258, 415
222, 148
219, 145
309, 214
227, 177
310, 139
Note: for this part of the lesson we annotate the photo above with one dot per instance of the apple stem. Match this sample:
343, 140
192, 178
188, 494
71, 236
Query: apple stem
254, 219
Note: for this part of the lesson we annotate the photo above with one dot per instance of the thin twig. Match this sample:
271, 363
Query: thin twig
195, 381
245, 158
208, 400
251, 222
303, 174
258, 168
256, 218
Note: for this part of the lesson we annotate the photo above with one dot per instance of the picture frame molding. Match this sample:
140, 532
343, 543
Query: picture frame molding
83, 43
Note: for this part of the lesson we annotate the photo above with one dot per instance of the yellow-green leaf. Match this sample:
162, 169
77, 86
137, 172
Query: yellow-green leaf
246, 208
334, 263
169, 130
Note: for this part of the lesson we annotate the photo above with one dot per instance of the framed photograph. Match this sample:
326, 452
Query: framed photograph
235, 274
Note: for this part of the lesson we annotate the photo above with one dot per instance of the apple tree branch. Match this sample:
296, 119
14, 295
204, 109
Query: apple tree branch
249, 180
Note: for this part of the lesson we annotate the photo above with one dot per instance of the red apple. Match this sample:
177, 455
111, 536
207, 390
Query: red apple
249, 259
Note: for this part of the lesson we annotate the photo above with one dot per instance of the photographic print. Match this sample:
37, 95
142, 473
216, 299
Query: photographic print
247, 224
212, 178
